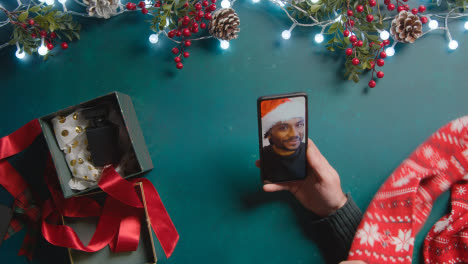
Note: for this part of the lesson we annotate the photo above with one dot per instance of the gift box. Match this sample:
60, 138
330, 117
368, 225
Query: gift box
130, 133
85, 227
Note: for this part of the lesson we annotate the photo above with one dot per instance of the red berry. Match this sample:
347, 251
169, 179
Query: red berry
203, 25
414, 11
422, 9
359, 43
371, 83
400, 8
31, 22
178, 33
53, 35
213, 1
194, 29
380, 62
187, 18
158, 4
186, 4
33, 35
64, 45
50, 46
391, 7
175, 50
405, 0
353, 38
369, 18
383, 55
386, 42
205, 3
141, 4
129, 5
372, 64
371, 44
186, 54
186, 32
372, 3
144, 11
407, 7
349, 51
188, 43
208, 16
177, 59
171, 34
200, 13
380, 74
424, 20
382, 45
346, 33
184, 23
195, 25
359, 8
179, 65
43, 33
197, 18
355, 61
213, 7
198, 6
350, 13
386, 2
351, 22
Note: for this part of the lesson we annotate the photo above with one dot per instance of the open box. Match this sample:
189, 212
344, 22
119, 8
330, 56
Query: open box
130, 133
85, 227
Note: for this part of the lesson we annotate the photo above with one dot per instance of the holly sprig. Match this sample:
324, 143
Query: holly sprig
41, 25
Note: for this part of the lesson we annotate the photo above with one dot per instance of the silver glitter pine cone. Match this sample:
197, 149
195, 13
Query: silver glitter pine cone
224, 24
102, 8
406, 27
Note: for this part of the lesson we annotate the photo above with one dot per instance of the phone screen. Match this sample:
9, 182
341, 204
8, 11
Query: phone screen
283, 138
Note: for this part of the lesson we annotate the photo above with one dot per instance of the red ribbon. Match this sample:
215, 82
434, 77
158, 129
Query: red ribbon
119, 219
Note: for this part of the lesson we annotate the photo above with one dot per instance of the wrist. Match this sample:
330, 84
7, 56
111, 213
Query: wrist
335, 205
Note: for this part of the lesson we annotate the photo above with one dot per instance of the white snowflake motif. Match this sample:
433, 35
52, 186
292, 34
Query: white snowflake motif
442, 164
461, 190
403, 241
428, 152
369, 234
458, 124
442, 224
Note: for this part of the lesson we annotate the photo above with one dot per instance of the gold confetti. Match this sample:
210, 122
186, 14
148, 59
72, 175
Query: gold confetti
72, 162
80, 160
90, 167
62, 119
78, 129
68, 149
74, 172
64, 133
88, 158
85, 177
75, 144
75, 116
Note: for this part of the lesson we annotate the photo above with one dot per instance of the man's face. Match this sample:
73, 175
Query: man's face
288, 135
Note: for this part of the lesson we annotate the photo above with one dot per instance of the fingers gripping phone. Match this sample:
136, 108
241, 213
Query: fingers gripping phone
282, 128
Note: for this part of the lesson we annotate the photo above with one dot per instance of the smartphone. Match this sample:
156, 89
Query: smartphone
282, 130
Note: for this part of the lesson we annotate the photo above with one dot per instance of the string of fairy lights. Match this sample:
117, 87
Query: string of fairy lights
434, 21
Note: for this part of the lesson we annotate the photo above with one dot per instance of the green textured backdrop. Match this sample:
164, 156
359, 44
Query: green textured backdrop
201, 129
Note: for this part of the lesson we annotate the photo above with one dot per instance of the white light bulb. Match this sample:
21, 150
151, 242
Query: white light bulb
390, 51
314, 1
42, 1
433, 24
280, 3
50, 2
42, 50
286, 34
255, 1
153, 38
466, 25
20, 54
224, 44
225, 4
319, 38
62, 1
338, 18
384, 35
453, 44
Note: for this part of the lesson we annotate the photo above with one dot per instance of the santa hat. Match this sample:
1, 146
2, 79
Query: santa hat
277, 110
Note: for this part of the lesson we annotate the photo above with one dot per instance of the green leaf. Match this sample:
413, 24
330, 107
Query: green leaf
355, 78
69, 37
35, 9
22, 17
167, 7
314, 8
76, 35
330, 48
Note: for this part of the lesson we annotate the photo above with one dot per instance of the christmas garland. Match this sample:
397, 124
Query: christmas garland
362, 28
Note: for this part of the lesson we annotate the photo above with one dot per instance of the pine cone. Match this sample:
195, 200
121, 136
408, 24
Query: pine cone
406, 27
102, 8
224, 24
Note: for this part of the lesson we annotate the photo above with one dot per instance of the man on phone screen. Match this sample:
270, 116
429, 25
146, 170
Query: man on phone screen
283, 128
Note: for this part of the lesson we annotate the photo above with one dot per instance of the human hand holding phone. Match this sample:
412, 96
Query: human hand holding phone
320, 192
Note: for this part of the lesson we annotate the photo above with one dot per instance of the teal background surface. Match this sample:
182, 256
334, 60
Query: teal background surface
201, 130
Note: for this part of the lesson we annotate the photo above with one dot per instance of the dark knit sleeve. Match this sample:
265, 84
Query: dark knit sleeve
337, 230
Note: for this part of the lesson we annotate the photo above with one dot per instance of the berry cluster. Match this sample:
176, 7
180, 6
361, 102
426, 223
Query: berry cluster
377, 48
49, 38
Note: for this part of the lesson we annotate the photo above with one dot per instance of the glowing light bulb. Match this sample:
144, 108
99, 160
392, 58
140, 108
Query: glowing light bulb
42, 50
224, 44
286, 34
433, 24
62, 1
50, 2
453, 44
314, 1
255, 1
384, 35
153, 38
20, 54
466, 25
390, 51
225, 4
280, 3
42, 1
319, 38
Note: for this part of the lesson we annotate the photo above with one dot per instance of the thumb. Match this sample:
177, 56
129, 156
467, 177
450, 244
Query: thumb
273, 187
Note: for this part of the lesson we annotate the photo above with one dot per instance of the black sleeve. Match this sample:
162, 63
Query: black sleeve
335, 233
